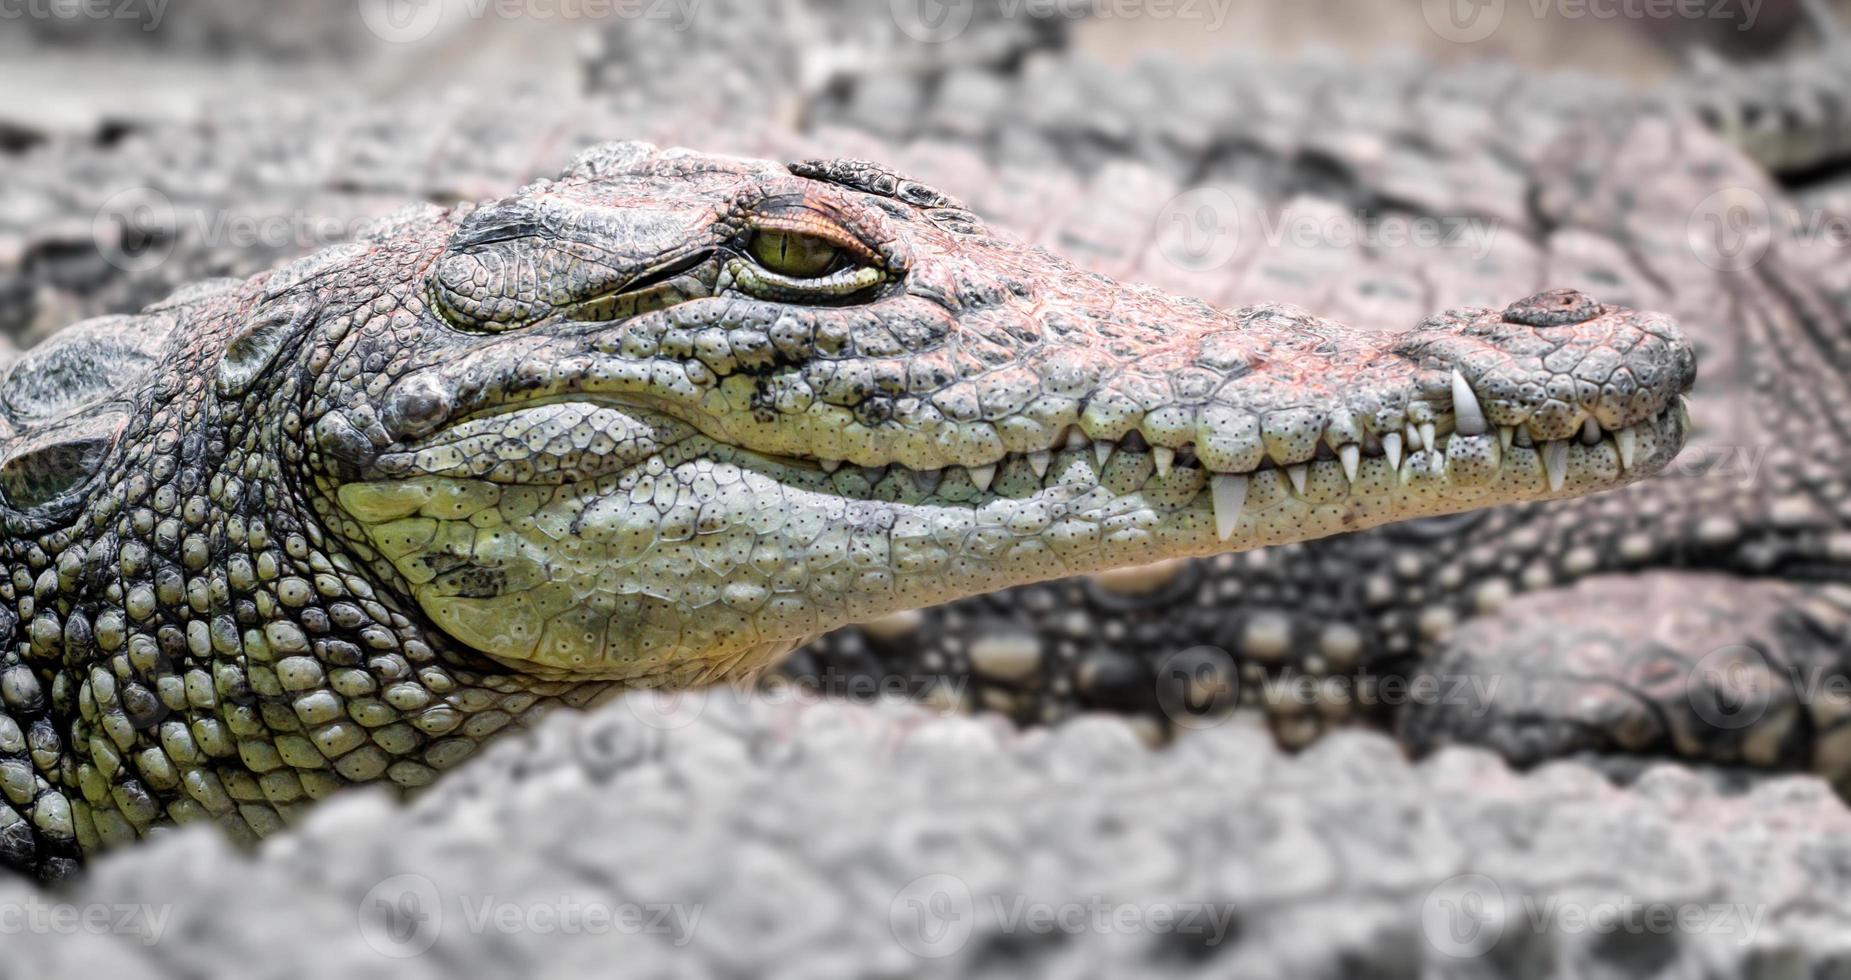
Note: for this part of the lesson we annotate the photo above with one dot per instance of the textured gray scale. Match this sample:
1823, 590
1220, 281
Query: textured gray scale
194, 293
304, 269
84, 365
52, 466
608, 158
256, 346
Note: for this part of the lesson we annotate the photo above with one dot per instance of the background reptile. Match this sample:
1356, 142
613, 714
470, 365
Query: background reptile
1515, 862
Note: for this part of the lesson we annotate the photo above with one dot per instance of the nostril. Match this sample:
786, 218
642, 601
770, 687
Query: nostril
1553, 308
1686, 367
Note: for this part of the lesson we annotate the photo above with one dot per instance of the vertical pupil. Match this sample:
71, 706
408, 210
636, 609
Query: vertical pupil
791, 254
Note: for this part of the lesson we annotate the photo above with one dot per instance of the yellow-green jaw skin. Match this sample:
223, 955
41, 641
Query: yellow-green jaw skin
707, 562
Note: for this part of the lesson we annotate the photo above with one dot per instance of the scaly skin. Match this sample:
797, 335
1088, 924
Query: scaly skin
342, 522
1479, 144
1622, 205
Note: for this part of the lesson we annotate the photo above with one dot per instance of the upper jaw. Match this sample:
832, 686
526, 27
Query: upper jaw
1447, 409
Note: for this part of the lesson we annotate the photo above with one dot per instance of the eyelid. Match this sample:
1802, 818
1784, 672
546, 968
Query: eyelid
814, 225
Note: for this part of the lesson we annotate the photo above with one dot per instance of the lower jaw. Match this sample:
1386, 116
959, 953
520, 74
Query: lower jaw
607, 580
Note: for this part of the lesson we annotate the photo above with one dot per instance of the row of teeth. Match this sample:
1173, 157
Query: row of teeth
1229, 490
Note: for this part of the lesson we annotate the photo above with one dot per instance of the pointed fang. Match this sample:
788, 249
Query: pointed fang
1555, 461
1628, 442
1230, 495
1468, 416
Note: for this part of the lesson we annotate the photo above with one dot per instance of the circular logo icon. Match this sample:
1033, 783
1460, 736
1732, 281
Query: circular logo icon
1463, 21
933, 21
1464, 916
1198, 687
933, 916
667, 709
402, 916
1731, 688
1199, 230
135, 230
1731, 230
401, 21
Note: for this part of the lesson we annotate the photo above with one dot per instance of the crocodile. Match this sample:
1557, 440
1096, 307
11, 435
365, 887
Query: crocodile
655, 423
1342, 614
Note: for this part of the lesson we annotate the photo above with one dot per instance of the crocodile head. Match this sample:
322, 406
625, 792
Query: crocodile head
664, 418
655, 423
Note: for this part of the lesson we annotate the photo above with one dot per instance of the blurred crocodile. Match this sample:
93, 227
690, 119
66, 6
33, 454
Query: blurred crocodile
656, 423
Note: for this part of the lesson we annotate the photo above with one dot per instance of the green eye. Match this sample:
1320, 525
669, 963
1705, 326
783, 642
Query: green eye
794, 255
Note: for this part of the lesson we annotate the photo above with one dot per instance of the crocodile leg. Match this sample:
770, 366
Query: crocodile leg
1708, 668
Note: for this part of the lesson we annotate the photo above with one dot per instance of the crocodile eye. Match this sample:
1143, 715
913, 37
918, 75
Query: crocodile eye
795, 255
804, 258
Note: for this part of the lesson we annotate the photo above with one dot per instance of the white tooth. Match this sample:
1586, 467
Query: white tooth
1413, 436
1351, 456
983, 476
1590, 433
1039, 461
1102, 451
1165, 458
1427, 438
1230, 495
1391, 447
1297, 474
831, 465
1075, 438
1468, 417
1628, 442
1506, 435
1555, 460
928, 480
